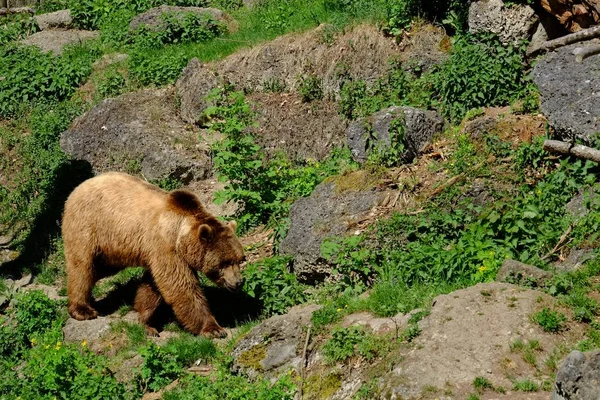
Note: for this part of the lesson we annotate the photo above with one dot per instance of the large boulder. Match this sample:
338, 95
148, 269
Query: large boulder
578, 377
362, 52
275, 346
55, 40
55, 20
153, 18
195, 83
469, 334
570, 93
139, 133
511, 23
330, 211
419, 127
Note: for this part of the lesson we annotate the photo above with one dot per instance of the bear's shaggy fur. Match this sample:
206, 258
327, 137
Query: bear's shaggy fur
114, 221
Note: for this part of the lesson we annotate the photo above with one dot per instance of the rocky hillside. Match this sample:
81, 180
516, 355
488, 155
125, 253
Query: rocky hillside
408, 234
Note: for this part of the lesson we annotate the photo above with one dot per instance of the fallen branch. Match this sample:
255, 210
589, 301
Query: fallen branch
581, 53
577, 150
561, 243
16, 10
303, 362
585, 34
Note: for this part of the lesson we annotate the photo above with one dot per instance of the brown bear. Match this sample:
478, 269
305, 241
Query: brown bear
115, 220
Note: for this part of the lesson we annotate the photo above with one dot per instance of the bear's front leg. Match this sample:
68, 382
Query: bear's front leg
181, 290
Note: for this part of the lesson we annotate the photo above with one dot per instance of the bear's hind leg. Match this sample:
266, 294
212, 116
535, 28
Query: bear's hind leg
80, 281
147, 300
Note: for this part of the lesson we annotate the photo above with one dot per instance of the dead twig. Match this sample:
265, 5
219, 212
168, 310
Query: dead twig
560, 244
577, 150
303, 362
585, 34
581, 53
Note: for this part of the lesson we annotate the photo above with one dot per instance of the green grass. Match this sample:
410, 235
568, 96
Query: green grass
526, 385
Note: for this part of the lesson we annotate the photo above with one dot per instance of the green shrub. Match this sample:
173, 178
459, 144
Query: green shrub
550, 321
311, 89
346, 342
15, 27
160, 368
270, 282
226, 386
112, 84
157, 66
57, 370
479, 73
263, 187
30, 75
35, 313
178, 28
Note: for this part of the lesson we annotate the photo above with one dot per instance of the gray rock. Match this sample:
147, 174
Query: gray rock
419, 128
139, 133
8, 255
578, 377
570, 93
328, 212
195, 83
275, 345
516, 272
578, 206
91, 330
54, 41
55, 20
511, 23
153, 17
576, 259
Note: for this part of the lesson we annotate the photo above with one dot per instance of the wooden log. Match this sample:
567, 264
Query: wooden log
581, 53
16, 10
577, 150
585, 34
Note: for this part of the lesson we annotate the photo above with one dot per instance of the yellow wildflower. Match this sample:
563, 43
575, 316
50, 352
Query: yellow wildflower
339, 309
482, 268
32, 342
83, 343
58, 344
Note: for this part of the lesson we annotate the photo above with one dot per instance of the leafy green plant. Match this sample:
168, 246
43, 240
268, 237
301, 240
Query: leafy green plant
189, 349
270, 282
32, 75
346, 342
160, 368
226, 386
311, 89
35, 313
263, 187
16, 26
112, 84
178, 28
550, 321
479, 73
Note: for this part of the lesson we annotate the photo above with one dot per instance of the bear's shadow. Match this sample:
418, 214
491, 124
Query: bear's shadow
229, 308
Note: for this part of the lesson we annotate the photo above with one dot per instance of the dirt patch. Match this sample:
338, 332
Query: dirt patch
500, 121
301, 130
361, 52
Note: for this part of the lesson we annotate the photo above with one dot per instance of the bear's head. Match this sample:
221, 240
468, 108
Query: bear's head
205, 243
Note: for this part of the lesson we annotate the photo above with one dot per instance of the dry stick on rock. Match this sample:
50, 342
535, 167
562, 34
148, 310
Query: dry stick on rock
303, 362
581, 53
585, 34
561, 243
16, 10
577, 150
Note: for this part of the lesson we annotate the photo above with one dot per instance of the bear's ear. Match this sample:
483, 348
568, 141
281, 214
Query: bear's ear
186, 202
233, 225
206, 233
